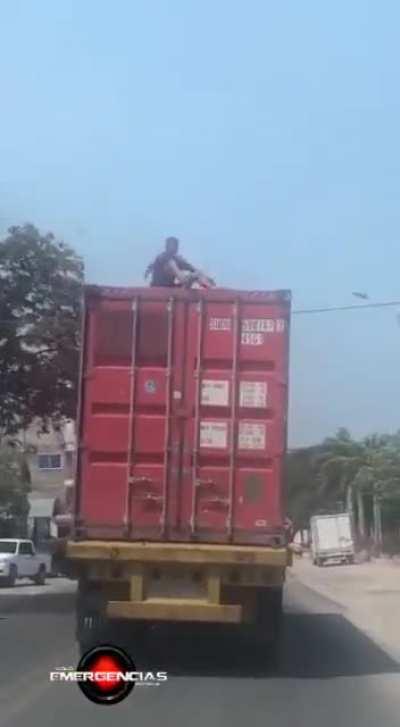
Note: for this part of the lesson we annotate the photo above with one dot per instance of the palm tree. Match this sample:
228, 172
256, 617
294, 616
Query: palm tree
339, 463
362, 477
356, 470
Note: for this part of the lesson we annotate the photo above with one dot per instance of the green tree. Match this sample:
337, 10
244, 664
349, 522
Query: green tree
378, 480
339, 462
15, 483
361, 476
303, 485
40, 299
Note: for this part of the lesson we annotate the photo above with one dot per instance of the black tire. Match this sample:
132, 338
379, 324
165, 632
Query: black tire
91, 622
266, 635
90, 633
279, 622
95, 630
12, 576
93, 627
40, 577
113, 632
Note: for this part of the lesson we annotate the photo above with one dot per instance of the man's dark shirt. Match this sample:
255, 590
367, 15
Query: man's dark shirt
161, 275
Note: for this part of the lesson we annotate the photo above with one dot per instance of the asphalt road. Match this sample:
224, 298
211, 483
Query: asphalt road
332, 674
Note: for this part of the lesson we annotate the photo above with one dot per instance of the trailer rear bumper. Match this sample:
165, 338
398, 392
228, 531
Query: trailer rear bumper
178, 553
170, 582
175, 610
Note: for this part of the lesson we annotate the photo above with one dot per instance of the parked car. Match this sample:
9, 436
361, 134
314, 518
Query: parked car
18, 559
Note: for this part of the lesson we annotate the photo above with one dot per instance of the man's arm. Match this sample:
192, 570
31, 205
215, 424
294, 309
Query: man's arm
183, 264
179, 266
177, 271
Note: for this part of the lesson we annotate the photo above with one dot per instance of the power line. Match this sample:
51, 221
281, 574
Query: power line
300, 311
347, 307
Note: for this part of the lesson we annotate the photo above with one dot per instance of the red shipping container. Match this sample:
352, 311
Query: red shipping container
183, 415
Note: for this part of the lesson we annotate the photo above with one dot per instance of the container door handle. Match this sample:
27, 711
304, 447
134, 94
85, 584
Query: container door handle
216, 503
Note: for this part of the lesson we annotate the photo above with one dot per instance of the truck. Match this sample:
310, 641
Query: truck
331, 538
180, 505
19, 559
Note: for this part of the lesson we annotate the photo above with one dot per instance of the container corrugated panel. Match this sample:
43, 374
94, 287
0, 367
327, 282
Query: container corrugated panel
183, 415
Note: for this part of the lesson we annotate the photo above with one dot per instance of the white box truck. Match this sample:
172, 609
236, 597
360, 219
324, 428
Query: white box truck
331, 538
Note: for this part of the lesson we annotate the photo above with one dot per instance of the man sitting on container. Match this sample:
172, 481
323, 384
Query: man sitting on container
170, 269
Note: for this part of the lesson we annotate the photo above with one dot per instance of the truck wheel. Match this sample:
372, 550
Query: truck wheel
278, 621
12, 576
89, 634
91, 621
40, 577
90, 630
268, 631
93, 627
96, 629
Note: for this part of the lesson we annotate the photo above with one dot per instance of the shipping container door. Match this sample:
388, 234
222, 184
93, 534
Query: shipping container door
236, 393
129, 462
183, 418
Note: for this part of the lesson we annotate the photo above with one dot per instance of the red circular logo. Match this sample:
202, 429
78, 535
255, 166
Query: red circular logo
108, 674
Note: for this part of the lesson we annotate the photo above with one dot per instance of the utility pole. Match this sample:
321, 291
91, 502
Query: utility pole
377, 520
361, 513
349, 505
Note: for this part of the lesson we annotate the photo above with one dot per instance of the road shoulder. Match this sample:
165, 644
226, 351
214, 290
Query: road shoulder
368, 593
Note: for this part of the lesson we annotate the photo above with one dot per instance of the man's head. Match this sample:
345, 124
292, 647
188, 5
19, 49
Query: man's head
172, 245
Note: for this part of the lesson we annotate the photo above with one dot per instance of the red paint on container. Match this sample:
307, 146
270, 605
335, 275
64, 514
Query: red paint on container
183, 415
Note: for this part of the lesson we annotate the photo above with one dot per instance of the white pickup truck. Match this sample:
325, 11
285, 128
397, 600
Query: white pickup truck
18, 559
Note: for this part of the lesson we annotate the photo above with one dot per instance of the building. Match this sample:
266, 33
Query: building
41, 526
51, 459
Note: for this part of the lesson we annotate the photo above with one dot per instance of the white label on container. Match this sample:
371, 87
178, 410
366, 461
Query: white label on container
214, 392
258, 325
263, 325
252, 339
253, 394
252, 436
214, 435
177, 395
220, 324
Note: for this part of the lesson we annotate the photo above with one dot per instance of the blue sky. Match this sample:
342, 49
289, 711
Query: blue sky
264, 135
